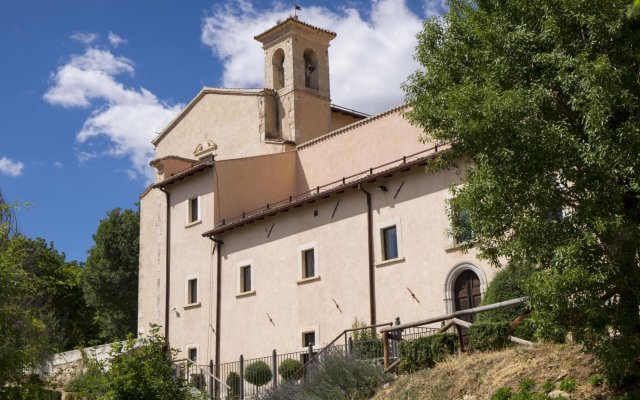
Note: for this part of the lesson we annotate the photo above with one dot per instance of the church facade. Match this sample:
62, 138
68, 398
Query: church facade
277, 218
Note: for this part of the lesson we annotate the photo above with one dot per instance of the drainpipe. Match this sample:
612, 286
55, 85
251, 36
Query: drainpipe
219, 244
372, 271
167, 264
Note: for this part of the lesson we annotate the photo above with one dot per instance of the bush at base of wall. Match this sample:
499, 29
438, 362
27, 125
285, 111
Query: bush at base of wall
488, 336
425, 352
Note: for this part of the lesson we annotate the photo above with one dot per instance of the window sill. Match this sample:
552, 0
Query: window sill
246, 294
194, 223
458, 247
308, 280
390, 262
192, 305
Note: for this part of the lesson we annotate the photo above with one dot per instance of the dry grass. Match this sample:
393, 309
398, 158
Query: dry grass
480, 375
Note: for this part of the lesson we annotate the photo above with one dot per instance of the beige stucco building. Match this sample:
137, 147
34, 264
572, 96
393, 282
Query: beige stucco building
276, 214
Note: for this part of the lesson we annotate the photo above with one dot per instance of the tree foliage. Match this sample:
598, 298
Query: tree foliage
542, 99
111, 277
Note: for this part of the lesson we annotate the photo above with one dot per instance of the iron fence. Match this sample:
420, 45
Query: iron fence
247, 379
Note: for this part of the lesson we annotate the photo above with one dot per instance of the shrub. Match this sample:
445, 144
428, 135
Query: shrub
258, 373
335, 376
507, 284
142, 371
91, 384
425, 352
234, 382
290, 369
547, 387
595, 380
527, 385
366, 343
487, 336
504, 393
568, 385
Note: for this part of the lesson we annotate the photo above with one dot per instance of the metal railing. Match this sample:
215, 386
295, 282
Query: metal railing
249, 378
345, 181
395, 333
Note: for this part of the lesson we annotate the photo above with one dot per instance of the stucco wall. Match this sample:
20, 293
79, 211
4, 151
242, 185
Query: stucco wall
246, 184
151, 281
425, 261
231, 119
191, 257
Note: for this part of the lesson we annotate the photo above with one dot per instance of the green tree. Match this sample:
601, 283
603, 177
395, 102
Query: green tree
542, 99
111, 276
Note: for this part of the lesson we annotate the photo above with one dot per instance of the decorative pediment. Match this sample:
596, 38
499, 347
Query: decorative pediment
208, 147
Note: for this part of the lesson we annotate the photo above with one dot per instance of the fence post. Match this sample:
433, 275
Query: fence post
241, 377
350, 345
385, 349
211, 391
274, 367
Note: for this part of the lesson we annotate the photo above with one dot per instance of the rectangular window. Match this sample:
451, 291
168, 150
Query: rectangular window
192, 288
309, 269
194, 210
245, 279
308, 339
389, 243
193, 354
461, 226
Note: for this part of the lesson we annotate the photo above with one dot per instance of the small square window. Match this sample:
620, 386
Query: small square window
308, 259
389, 243
194, 210
192, 289
308, 339
193, 354
245, 279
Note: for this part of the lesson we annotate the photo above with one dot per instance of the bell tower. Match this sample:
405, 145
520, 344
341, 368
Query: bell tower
296, 61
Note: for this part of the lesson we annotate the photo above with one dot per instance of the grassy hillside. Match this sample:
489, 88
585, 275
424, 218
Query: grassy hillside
480, 375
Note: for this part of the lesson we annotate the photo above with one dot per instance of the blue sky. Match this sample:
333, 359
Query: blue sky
85, 84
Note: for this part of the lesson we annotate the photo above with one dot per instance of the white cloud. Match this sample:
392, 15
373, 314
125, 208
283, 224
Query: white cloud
85, 37
116, 40
10, 167
57, 164
128, 117
369, 59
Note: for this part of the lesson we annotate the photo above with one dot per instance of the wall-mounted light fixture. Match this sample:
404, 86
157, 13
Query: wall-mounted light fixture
382, 188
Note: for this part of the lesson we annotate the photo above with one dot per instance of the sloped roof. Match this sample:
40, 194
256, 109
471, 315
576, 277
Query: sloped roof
288, 21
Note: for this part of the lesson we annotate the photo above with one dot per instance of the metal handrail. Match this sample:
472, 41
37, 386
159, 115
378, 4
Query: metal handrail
344, 332
468, 311
316, 190
202, 370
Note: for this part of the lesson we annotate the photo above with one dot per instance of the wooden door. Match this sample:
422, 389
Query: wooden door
467, 294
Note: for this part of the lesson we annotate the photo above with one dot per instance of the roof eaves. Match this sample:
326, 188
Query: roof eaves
183, 174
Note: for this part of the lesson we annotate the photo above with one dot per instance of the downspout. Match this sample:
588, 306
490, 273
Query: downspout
167, 265
219, 244
372, 271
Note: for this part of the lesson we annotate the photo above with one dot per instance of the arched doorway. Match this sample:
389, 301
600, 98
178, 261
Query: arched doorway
467, 293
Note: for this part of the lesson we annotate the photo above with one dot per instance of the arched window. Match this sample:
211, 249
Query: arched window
310, 69
278, 69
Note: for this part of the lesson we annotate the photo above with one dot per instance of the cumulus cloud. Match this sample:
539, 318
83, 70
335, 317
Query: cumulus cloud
10, 167
128, 117
85, 37
369, 59
116, 40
